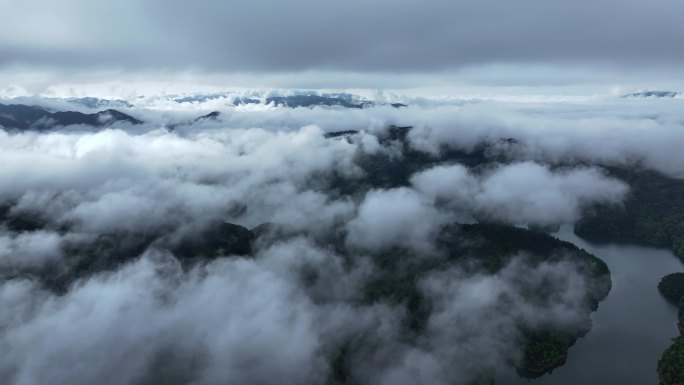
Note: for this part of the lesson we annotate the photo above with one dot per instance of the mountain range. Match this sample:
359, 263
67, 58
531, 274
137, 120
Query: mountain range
653, 94
24, 117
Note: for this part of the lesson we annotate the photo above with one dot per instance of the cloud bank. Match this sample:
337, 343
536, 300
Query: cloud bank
90, 220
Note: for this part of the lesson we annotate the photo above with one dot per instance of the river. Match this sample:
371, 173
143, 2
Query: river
632, 326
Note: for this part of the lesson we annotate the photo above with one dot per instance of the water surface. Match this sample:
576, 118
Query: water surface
632, 326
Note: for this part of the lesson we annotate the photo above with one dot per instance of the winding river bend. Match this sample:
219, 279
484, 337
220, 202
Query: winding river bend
631, 328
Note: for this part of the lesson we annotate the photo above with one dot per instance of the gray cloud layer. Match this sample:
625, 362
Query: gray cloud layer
352, 36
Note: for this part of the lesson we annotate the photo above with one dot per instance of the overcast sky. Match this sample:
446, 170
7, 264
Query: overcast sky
378, 44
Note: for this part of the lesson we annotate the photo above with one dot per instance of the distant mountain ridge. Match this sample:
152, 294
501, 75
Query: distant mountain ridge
652, 94
23, 117
95, 103
288, 99
292, 101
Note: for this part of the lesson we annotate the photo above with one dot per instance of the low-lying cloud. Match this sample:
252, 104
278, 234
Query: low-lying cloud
252, 321
297, 310
521, 193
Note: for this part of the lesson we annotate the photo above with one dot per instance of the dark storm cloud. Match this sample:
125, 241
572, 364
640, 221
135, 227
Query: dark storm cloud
354, 35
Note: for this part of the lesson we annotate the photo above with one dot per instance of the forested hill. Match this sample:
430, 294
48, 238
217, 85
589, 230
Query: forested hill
653, 212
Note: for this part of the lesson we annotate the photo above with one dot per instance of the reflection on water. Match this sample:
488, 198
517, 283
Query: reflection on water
631, 328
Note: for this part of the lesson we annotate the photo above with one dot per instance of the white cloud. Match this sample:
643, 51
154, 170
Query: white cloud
284, 315
397, 217
521, 193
